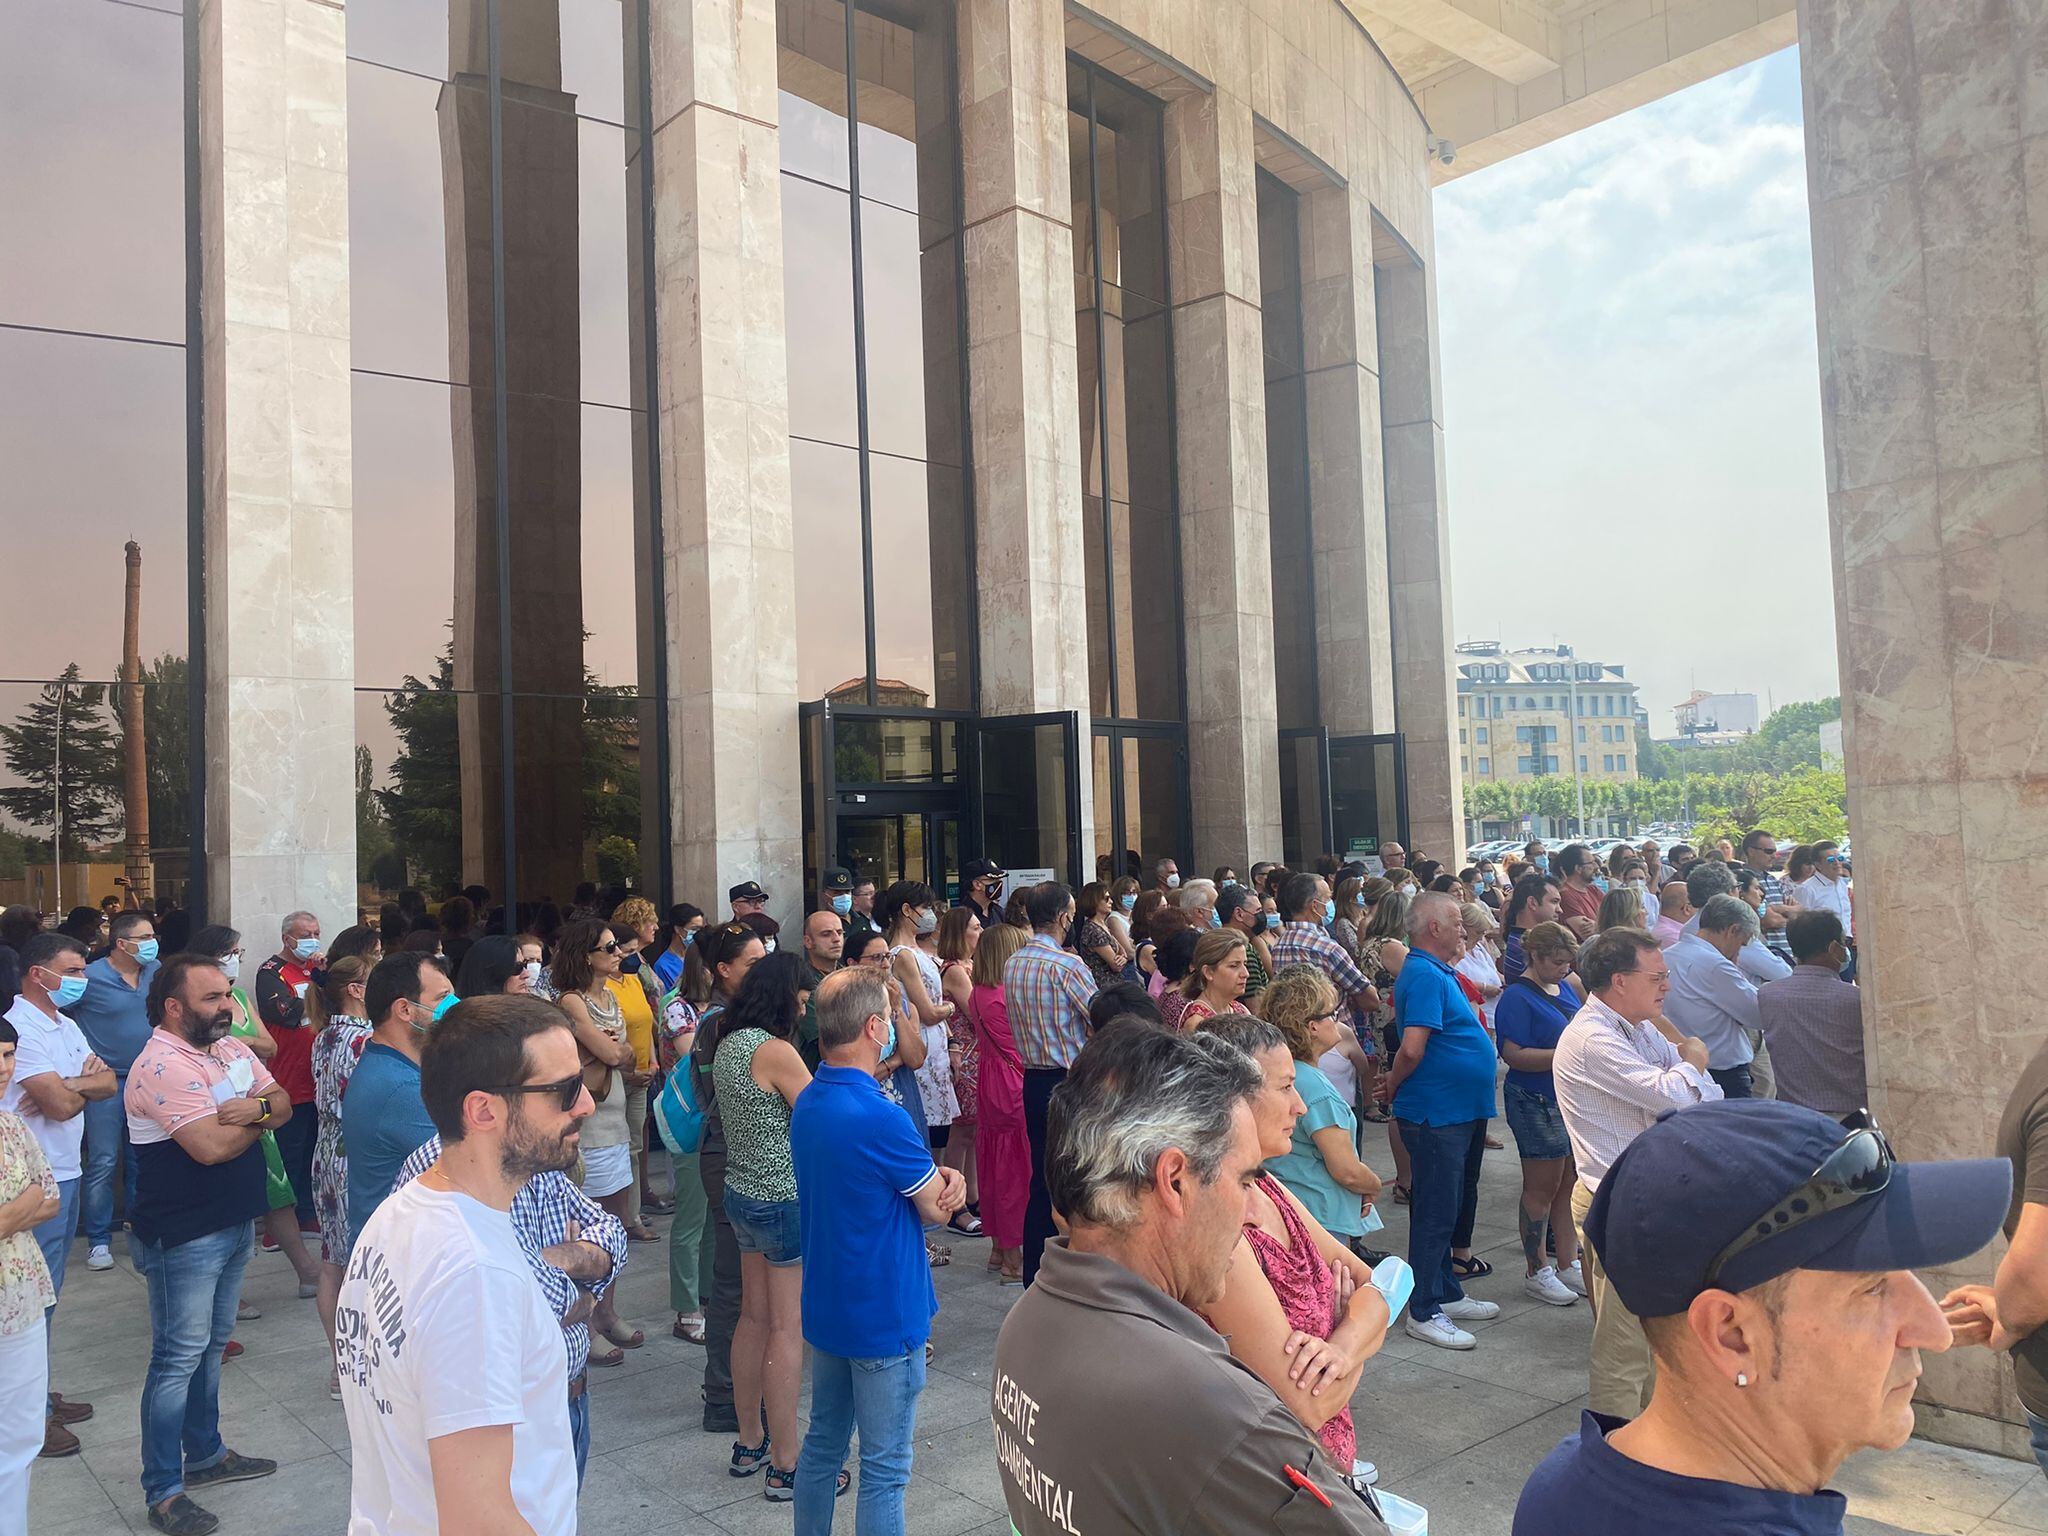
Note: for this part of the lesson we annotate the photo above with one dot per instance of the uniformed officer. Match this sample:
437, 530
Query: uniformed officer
1118, 1410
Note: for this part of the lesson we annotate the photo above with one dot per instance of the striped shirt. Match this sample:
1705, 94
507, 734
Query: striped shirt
1047, 991
541, 1213
1775, 939
1304, 943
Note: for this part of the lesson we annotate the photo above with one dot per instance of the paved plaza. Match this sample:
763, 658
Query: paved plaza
1457, 1433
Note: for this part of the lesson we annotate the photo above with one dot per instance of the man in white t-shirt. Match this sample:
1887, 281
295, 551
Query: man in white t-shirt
451, 1361
55, 1076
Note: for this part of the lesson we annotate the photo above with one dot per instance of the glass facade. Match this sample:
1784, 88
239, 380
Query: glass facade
503, 532
1124, 332
872, 297
95, 438
1292, 537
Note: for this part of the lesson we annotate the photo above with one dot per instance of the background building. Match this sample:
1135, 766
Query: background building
1523, 714
1724, 715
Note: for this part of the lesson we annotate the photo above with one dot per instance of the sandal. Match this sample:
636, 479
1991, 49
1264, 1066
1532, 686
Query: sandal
749, 1459
1400, 1194
972, 1227
689, 1327
781, 1485
936, 1256
608, 1357
1376, 1116
632, 1340
1010, 1277
1474, 1268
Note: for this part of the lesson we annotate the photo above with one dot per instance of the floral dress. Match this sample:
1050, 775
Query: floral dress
25, 1288
935, 1077
966, 1061
336, 1050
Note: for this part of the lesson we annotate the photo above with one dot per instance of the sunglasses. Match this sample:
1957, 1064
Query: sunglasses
608, 947
566, 1092
1857, 1169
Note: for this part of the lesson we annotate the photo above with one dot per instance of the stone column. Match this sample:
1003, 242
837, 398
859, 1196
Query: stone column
274, 329
724, 433
1347, 485
1030, 575
1418, 552
1927, 165
1225, 546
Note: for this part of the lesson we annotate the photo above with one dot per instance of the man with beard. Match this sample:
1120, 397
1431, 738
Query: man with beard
450, 1359
198, 1104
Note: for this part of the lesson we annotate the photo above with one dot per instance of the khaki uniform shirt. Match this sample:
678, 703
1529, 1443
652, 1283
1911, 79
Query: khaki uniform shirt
1119, 1412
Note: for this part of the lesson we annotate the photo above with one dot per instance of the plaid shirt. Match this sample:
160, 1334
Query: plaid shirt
1775, 940
1047, 991
1302, 943
541, 1213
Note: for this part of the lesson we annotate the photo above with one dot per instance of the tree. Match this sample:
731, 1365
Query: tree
373, 832
618, 861
1806, 806
61, 748
423, 806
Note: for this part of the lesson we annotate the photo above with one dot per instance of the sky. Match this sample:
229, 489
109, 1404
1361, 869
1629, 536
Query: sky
1632, 399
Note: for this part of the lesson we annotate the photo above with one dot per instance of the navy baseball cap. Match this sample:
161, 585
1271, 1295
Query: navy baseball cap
1695, 1182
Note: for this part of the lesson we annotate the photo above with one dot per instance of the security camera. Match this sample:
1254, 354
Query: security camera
1444, 150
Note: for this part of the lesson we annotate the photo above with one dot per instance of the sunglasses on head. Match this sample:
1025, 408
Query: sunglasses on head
1857, 1169
566, 1092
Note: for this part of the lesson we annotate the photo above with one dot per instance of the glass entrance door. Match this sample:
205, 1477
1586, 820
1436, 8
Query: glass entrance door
1368, 779
1028, 792
907, 844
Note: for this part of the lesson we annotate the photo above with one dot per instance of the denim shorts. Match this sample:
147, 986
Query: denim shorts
767, 1227
1537, 1124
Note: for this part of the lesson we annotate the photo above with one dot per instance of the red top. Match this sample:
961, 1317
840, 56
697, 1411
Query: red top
281, 1004
1301, 1278
1578, 903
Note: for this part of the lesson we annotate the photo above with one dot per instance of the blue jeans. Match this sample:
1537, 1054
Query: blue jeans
1736, 1082
579, 1431
1443, 1204
106, 1143
193, 1290
55, 1236
880, 1397
2037, 1436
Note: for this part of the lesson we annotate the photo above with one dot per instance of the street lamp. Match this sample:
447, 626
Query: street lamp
1571, 741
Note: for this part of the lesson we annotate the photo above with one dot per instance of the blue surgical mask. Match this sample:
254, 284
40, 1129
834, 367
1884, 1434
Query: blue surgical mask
1600, 884
689, 938
889, 1045
69, 989
1272, 921
1329, 913
146, 950
306, 949
440, 1012
1127, 900
1543, 862
842, 904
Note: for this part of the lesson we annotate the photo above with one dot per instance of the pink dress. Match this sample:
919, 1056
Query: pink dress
1301, 1278
1002, 1152
960, 1035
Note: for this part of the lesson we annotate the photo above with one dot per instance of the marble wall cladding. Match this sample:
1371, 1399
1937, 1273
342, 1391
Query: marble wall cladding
1226, 556
1928, 170
276, 447
722, 362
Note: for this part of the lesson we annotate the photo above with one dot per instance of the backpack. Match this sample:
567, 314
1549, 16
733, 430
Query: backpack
680, 1107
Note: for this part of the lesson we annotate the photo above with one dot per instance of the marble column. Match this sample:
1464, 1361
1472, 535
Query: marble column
1347, 486
1418, 552
721, 360
279, 569
1030, 573
1226, 550
1927, 166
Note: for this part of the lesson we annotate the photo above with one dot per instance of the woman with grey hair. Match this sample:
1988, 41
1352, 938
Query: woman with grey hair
1298, 1306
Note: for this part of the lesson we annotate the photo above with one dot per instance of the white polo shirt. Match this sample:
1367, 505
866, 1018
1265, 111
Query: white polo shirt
47, 1045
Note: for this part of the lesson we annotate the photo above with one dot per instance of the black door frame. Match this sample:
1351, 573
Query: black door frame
1070, 724
1117, 732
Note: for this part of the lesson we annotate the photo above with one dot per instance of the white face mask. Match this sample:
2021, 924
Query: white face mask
532, 970
1173, 882
231, 967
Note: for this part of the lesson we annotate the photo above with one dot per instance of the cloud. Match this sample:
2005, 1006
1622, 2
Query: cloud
1631, 396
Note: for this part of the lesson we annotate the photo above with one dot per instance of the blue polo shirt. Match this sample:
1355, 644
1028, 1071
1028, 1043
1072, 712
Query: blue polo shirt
1587, 1488
113, 1015
1454, 1083
868, 1291
383, 1122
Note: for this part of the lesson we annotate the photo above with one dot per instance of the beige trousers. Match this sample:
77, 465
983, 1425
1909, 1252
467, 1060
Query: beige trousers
1621, 1372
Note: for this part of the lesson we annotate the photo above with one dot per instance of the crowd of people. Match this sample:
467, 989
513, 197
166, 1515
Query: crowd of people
1148, 1098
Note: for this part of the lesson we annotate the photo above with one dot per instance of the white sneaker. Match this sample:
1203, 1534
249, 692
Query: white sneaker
1472, 1310
1441, 1332
100, 1257
1573, 1278
1364, 1474
1545, 1286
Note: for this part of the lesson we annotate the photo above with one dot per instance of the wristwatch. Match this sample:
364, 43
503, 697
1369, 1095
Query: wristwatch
264, 1100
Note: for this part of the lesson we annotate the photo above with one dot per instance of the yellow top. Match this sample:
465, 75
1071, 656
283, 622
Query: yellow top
639, 1015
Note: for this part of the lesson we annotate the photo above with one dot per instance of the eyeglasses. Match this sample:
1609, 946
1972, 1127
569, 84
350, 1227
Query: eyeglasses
1663, 975
566, 1092
1857, 1169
